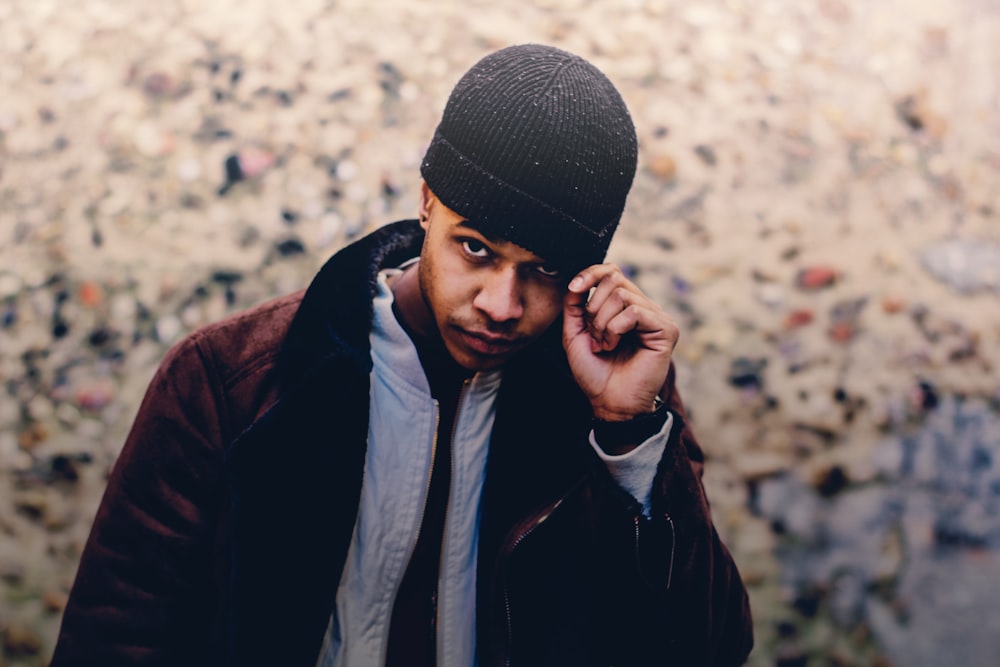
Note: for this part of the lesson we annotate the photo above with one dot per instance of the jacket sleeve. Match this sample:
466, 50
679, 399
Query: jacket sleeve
686, 602
144, 592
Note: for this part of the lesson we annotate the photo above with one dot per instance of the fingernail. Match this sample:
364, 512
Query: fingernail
575, 283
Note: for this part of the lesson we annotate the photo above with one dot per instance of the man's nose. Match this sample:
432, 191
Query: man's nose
499, 297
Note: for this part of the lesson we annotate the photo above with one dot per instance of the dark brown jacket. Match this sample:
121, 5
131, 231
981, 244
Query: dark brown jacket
227, 517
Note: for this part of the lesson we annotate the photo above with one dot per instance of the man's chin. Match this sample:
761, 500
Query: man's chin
477, 363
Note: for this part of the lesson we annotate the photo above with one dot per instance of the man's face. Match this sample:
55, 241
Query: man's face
489, 298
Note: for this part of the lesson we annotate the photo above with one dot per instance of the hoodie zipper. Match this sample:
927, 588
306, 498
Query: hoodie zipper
416, 537
420, 522
447, 508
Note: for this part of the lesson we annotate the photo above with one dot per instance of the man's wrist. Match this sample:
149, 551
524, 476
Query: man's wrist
622, 415
618, 437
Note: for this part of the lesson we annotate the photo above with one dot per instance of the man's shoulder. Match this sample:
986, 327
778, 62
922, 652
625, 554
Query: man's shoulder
244, 342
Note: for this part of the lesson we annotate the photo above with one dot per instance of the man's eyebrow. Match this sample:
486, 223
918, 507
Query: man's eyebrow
468, 224
471, 226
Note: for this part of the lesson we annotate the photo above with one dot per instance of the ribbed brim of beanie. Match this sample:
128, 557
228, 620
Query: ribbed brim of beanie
536, 146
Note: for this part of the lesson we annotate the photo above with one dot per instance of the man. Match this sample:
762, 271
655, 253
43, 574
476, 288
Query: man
461, 445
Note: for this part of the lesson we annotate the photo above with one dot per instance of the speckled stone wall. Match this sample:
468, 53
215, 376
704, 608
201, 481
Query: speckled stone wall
817, 205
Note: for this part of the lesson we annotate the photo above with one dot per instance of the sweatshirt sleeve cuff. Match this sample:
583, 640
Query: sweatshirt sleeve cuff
634, 471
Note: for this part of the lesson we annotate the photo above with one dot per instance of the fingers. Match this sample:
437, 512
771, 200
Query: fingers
596, 274
607, 282
615, 308
618, 341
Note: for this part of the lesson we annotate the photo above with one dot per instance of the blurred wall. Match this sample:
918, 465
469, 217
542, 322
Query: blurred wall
816, 204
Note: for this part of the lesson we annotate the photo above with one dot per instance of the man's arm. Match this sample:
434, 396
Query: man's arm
676, 594
145, 590
690, 605
710, 606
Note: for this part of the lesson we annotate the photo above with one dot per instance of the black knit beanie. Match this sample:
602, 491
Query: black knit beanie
536, 147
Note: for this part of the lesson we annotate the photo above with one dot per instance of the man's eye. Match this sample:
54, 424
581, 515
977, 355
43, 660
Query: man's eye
547, 271
475, 248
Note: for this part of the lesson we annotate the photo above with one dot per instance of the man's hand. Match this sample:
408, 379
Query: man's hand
618, 342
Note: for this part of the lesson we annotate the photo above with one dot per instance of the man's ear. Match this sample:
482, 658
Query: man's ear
426, 201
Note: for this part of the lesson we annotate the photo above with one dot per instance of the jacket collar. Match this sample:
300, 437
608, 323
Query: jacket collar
336, 313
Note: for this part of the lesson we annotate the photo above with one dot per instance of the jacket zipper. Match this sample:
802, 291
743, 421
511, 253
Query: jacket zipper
506, 589
673, 547
416, 537
538, 522
673, 543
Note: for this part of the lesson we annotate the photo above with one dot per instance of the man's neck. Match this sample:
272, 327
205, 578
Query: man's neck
409, 305
444, 374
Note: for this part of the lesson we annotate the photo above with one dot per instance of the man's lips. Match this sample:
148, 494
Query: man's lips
486, 343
